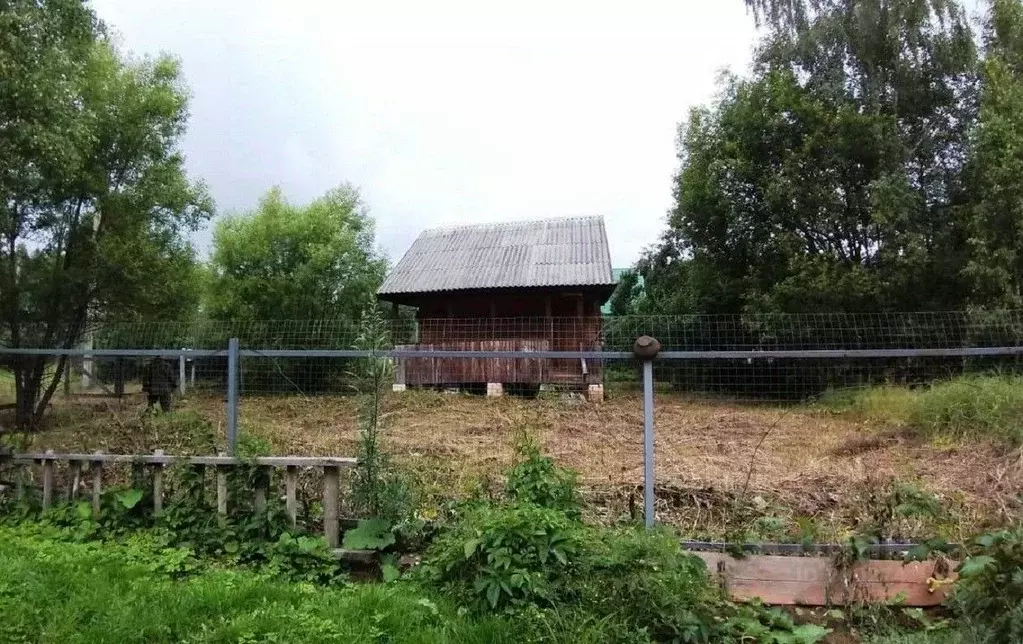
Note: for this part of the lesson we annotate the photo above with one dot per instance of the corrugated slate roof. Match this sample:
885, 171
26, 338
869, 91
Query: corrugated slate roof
551, 252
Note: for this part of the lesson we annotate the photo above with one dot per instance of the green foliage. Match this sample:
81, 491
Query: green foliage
988, 598
379, 488
627, 296
969, 407
870, 160
369, 534
302, 558
538, 480
506, 556
544, 566
995, 170
95, 205
646, 578
51, 590
879, 405
285, 262
753, 622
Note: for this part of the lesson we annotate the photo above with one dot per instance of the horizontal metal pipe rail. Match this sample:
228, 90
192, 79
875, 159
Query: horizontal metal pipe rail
745, 354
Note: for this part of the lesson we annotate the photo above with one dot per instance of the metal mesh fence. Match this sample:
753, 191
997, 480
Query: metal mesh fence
735, 407
903, 348
759, 358
815, 331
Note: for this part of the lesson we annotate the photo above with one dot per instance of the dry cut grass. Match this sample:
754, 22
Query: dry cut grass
721, 468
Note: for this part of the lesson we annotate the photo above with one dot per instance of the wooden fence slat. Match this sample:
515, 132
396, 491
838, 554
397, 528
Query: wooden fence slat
331, 521
259, 496
152, 459
222, 490
74, 479
96, 468
48, 482
291, 493
158, 485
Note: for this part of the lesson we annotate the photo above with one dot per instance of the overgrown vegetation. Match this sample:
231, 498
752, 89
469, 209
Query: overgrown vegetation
139, 591
963, 408
529, 555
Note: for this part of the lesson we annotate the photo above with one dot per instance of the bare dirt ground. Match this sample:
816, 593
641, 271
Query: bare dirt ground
722, 469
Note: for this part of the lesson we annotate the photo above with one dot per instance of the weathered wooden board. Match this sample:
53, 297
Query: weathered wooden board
816, 581
454, 371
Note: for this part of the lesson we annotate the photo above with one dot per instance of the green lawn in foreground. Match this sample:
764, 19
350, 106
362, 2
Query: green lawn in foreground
55, 591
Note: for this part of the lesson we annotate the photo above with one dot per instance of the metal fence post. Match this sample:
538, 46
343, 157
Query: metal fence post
181, 374
648, 443
232, 394
646, 349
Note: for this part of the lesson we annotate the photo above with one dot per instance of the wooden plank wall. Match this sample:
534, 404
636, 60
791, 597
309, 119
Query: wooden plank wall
816, 581
453, 371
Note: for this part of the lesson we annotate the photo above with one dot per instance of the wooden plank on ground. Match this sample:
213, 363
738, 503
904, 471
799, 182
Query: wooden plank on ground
816, 581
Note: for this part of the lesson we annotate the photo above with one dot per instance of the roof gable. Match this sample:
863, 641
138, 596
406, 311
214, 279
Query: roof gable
546, 253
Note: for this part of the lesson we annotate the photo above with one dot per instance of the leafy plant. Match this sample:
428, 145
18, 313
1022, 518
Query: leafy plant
378, 488
303, 558
506, 556
989, 594
538, 480
369, 534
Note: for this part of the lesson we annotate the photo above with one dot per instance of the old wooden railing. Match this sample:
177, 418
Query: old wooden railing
331, 473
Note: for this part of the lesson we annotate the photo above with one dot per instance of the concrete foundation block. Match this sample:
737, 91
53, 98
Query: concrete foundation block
595, 393
495, 390
397, 388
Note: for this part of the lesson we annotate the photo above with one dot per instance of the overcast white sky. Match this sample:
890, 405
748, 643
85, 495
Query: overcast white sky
446, 112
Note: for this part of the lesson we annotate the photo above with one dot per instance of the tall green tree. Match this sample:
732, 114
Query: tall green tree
94, 201
995, 170
287, 262
829, 178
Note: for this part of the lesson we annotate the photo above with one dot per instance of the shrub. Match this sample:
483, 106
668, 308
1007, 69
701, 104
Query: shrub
505, 556
538, 480
972, 406
989, 595
645, 579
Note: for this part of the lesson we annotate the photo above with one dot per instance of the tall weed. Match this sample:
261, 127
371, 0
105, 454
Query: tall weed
972, 407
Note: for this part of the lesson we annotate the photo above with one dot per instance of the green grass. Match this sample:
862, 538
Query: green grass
963, 408
933, 637
969, 406
882, 405
6, 386
57, 591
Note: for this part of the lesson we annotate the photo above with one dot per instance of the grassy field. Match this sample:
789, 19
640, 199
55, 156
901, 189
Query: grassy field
723, 469
55, 591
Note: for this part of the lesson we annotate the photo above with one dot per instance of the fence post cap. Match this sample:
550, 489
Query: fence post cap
646, 347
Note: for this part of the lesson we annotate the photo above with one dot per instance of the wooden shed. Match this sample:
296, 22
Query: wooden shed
525, 286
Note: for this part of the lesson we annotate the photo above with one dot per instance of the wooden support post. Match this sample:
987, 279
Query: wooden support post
200, 473
331, 523
48, 481
291, 493
158, 486
222, 489
19, 485
74, 476
259, 498
97, 485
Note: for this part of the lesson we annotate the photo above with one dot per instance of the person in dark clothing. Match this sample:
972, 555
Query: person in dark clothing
159, 382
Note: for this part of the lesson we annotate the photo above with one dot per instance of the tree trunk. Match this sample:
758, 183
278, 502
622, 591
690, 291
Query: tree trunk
29, 373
